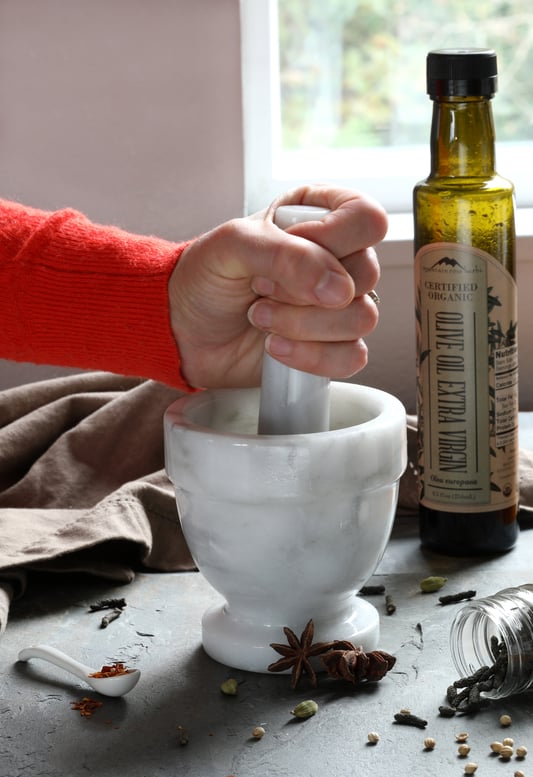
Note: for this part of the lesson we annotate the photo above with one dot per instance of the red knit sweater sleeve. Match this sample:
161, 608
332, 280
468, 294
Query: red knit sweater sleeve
78, 294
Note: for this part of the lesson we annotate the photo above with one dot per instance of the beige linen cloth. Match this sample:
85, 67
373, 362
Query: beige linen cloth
82, 481
83, 486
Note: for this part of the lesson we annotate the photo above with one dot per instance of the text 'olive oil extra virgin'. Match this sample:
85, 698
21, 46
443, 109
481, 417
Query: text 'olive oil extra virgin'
467, 363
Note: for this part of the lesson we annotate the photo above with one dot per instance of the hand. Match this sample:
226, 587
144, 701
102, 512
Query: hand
303, 289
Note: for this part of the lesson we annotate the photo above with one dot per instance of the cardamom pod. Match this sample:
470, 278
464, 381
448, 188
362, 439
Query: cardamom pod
433, 583
305, 709
229, 687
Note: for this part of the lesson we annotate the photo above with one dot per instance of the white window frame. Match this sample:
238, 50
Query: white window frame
388, 174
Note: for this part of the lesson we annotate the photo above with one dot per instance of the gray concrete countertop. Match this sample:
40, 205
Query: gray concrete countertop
160, 633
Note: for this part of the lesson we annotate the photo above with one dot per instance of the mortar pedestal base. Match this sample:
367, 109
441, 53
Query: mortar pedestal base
244, 644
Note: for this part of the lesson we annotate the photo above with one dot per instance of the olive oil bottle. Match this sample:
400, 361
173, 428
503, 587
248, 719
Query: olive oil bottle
467, 365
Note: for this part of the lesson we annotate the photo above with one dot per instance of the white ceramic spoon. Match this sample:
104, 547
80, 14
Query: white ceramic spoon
118, 685
292, 401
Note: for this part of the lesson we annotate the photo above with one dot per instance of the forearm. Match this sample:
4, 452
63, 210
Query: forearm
77, 294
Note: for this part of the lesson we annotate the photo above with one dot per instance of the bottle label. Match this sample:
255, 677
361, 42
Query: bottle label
467, 379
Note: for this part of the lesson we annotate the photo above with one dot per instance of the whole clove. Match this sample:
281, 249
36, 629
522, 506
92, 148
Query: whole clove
459, 597
408, 719
108, 604
116, 605
107, 619
390, 607
372, 590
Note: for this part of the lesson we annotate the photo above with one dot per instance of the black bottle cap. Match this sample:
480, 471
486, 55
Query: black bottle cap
462, 73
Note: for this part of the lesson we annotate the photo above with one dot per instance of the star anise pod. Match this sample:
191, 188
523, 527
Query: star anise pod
380, 663
297, 652
347, 662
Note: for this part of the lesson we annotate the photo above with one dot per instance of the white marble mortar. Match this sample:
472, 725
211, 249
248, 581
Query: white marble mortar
287, 527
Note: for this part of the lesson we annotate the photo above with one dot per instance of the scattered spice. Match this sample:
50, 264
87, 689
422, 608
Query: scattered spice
372, 590
506, 752
116, 605
183, 736
519, 773
258, 732
521, 751
305, 709
461, 737
86, 706
470, 768
464, 695
408, 719
341, 659
108, 604
459, 597
297, 653
390, 607
446, 712
505, 720
347, 662
229, 687
433, 583
508, 741
107, 619
463, 750
496, 747
373, 738
112, 670
429, 743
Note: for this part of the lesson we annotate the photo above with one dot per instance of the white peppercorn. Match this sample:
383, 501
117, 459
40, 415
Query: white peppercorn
470, 767
506, 752
373, 737
505, 720
429, 743
521, 751
463, 749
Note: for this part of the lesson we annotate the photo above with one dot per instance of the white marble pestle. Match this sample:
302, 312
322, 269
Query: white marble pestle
292, 401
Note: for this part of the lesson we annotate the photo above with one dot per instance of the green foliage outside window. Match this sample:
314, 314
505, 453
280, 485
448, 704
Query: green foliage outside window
352, 72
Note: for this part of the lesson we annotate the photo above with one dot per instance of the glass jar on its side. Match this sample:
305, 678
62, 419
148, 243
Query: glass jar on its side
494, 628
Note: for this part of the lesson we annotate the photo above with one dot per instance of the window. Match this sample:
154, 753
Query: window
335, 91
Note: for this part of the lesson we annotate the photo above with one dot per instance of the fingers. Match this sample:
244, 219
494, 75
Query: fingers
286, 267
317, 340
364, 268
315, 263
309, 323
356, 221
336, 360
302, 267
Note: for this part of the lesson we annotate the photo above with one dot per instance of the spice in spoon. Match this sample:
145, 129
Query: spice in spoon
111, 670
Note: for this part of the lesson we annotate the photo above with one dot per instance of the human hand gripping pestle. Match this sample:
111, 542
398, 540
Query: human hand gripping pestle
292, 401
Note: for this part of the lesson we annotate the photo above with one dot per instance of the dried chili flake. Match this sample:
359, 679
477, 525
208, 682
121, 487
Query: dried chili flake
111, 670
86, 706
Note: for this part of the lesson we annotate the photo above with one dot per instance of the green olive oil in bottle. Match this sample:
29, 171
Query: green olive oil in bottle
467, 365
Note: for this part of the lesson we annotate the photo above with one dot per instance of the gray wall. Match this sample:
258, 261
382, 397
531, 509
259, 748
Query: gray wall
129, 110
